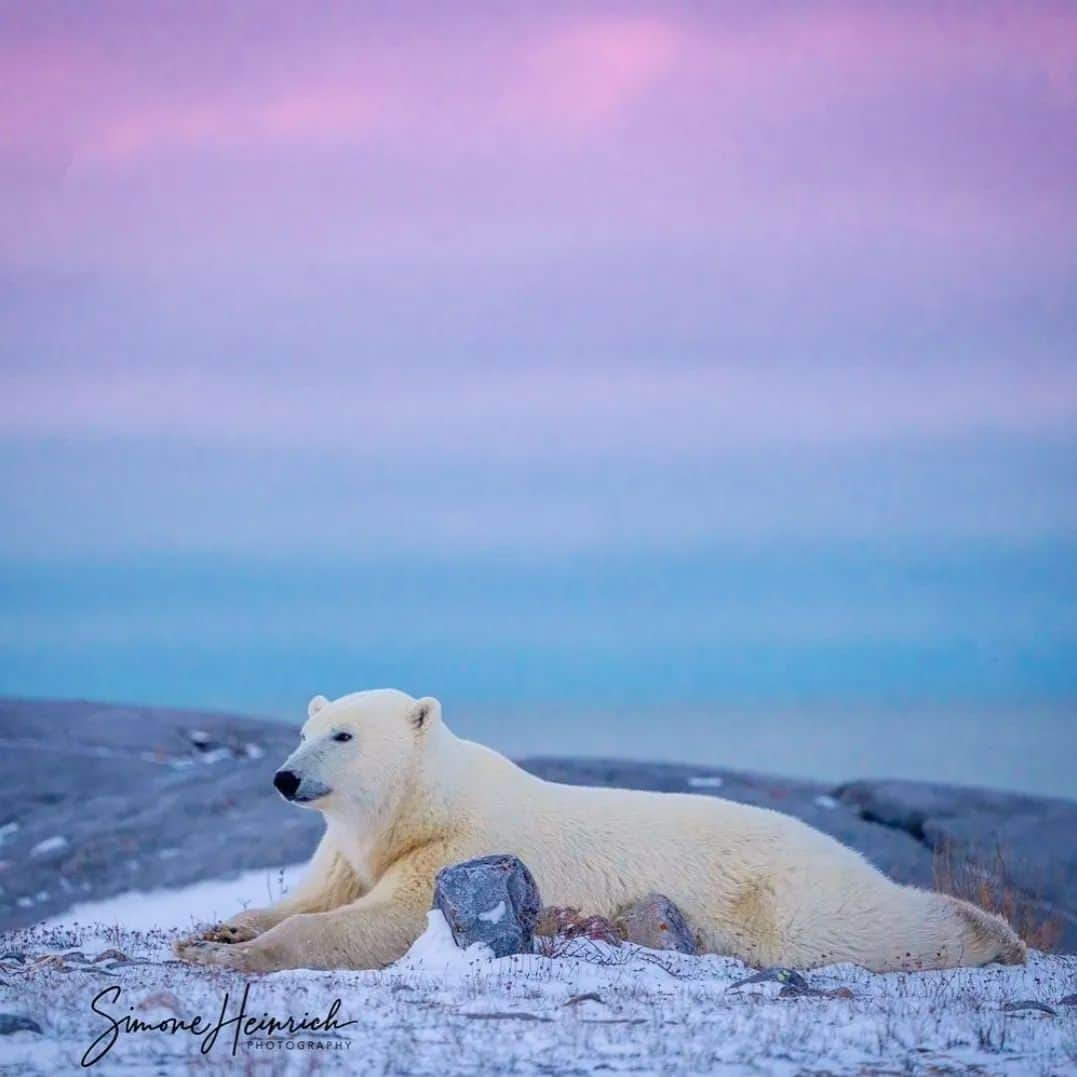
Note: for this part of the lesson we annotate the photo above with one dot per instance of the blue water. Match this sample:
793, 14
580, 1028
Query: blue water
956, 662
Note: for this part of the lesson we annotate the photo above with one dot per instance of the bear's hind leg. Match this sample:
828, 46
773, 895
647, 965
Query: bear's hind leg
921, 929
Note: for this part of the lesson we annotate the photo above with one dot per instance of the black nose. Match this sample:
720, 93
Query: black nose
287, 783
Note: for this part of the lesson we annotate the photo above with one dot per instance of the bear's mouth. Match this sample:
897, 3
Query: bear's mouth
307, 795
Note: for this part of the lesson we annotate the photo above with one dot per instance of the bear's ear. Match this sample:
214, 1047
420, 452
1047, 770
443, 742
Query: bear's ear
426, 713
316, 705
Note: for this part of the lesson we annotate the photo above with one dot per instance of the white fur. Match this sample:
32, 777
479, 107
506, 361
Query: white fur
405, 797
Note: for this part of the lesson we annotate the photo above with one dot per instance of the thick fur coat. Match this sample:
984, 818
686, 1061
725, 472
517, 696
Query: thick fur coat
403, 797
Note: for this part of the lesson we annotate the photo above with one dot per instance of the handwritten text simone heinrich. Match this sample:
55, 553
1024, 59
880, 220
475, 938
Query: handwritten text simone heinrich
237, 1026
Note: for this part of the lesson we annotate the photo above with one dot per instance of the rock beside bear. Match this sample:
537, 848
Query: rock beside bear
655, 922
493, 900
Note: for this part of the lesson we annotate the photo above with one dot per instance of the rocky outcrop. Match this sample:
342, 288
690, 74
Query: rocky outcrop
101, 799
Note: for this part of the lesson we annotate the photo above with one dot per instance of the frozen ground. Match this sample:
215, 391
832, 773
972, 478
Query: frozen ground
442, 1011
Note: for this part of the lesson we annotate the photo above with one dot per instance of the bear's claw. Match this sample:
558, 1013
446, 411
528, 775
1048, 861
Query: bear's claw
228, 955
204, 952
228, 933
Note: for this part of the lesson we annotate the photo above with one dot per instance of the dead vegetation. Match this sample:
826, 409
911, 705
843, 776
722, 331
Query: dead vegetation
561, 922
986, 882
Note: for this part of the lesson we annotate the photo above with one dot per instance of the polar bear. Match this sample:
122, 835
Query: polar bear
402, 797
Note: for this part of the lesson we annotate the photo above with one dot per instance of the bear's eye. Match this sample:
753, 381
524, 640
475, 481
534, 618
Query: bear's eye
342, 737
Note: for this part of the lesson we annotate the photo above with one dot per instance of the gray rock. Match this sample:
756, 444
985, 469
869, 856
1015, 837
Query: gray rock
493, 900
1030, 1004
14, 1022
774, 974
655, 922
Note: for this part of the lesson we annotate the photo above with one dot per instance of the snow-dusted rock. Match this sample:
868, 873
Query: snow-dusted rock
492, 900
16, 1022
51, 847
655, 922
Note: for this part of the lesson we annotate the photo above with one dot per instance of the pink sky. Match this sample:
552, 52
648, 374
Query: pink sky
288, 130
538, 232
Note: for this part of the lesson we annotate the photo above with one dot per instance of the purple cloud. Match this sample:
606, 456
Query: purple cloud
543, 236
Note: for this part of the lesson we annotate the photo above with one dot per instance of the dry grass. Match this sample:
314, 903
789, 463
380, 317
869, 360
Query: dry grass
559, 925
986, 883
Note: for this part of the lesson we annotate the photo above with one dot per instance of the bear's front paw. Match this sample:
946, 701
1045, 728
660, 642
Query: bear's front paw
201, 952
230, 933
237, 956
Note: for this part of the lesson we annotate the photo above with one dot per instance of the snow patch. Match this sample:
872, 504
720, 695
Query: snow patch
435, 950
826, 802
216, 755
494, 915
183, 907
56, 844
705, 781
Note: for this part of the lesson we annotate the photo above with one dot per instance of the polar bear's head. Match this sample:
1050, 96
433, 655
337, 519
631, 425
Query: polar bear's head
351, 749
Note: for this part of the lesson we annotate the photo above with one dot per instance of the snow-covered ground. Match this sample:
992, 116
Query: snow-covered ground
183, 907
443, 1011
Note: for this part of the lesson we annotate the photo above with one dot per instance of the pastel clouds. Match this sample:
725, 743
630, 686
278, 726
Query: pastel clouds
560, 414
122, 87
575, 74
570, 81
616, 227
585, 75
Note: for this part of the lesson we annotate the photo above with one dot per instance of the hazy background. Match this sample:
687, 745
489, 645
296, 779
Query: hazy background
680, 381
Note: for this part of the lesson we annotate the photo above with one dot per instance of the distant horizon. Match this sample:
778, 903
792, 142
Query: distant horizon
768, 755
